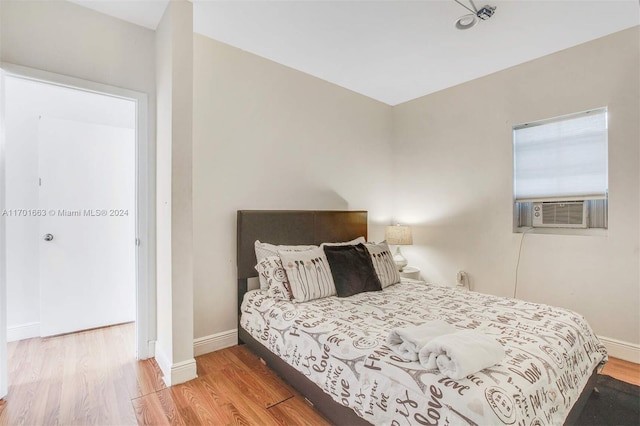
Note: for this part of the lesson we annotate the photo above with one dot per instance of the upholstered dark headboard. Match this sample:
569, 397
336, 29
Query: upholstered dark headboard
291, 227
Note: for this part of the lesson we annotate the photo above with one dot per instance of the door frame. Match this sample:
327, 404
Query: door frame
4, 385
145, 243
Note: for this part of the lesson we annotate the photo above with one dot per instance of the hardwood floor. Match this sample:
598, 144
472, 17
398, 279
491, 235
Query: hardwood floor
233, 387
92, 378
81, 378
622, 370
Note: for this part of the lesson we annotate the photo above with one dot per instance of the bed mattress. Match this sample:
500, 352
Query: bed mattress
339, 344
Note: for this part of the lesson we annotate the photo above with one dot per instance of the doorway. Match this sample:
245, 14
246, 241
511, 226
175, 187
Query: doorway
70, 209
125, 210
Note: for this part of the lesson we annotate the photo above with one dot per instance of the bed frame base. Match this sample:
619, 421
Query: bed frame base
336, 413
576, 410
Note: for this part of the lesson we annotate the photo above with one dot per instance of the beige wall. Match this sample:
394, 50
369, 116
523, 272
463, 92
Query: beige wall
269, 137
454, 184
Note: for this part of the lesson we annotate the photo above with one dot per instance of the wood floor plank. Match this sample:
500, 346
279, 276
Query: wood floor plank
240, 405
623, 370
187, 412
141, 377
218, 360
196, 405
155, 409
296, 411
19, 414
219, 398
263, 389
269, 380
52, 407
79, 378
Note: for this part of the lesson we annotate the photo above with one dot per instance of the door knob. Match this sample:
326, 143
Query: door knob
48, 237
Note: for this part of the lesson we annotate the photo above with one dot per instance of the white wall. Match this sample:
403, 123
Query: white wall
174, 79
163, 194
65, 38
25, 102
454, 184
269, 137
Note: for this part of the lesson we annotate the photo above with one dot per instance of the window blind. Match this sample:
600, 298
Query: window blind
561, 159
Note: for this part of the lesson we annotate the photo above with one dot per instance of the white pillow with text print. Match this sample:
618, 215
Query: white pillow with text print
271, 270
383, 263
308, 273
264, 250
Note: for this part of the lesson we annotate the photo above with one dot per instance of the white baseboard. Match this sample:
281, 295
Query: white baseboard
178, 372
163, 363
23, 331
215, 342
623, 350
182, 372
151, 348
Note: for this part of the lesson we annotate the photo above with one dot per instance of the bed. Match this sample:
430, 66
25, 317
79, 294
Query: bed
333, 349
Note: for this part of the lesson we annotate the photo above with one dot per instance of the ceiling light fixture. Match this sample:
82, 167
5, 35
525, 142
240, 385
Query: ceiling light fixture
471, 19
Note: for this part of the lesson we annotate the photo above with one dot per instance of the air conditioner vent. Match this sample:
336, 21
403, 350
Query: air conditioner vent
560, 214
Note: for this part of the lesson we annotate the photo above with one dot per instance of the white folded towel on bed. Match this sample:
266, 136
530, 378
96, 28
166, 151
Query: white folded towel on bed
459, 354
407, 341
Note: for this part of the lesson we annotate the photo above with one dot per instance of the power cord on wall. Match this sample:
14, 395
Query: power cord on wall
515, 287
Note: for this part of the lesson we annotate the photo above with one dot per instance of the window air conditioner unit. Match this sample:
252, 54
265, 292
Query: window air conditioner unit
570, 214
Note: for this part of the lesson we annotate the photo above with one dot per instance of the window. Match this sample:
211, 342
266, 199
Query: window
560, 171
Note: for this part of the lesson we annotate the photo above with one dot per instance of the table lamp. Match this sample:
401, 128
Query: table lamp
400, 236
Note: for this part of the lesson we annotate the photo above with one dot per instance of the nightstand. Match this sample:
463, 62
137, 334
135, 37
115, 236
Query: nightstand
410, 272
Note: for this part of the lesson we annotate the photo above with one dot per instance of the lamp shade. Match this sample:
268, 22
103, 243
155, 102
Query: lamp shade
398, 235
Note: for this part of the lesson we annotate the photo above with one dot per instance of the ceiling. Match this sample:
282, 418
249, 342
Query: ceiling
397, 50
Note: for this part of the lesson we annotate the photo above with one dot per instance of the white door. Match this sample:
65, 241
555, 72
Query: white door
87, 225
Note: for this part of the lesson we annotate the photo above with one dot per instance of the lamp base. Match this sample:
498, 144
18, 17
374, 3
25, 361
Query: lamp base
399, 259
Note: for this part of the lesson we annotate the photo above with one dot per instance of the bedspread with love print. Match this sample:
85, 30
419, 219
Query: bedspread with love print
339, 344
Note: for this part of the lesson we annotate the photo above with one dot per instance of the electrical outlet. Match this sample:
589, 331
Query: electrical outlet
461, 278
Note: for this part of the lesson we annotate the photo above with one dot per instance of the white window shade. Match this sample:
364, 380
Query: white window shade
563, 159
